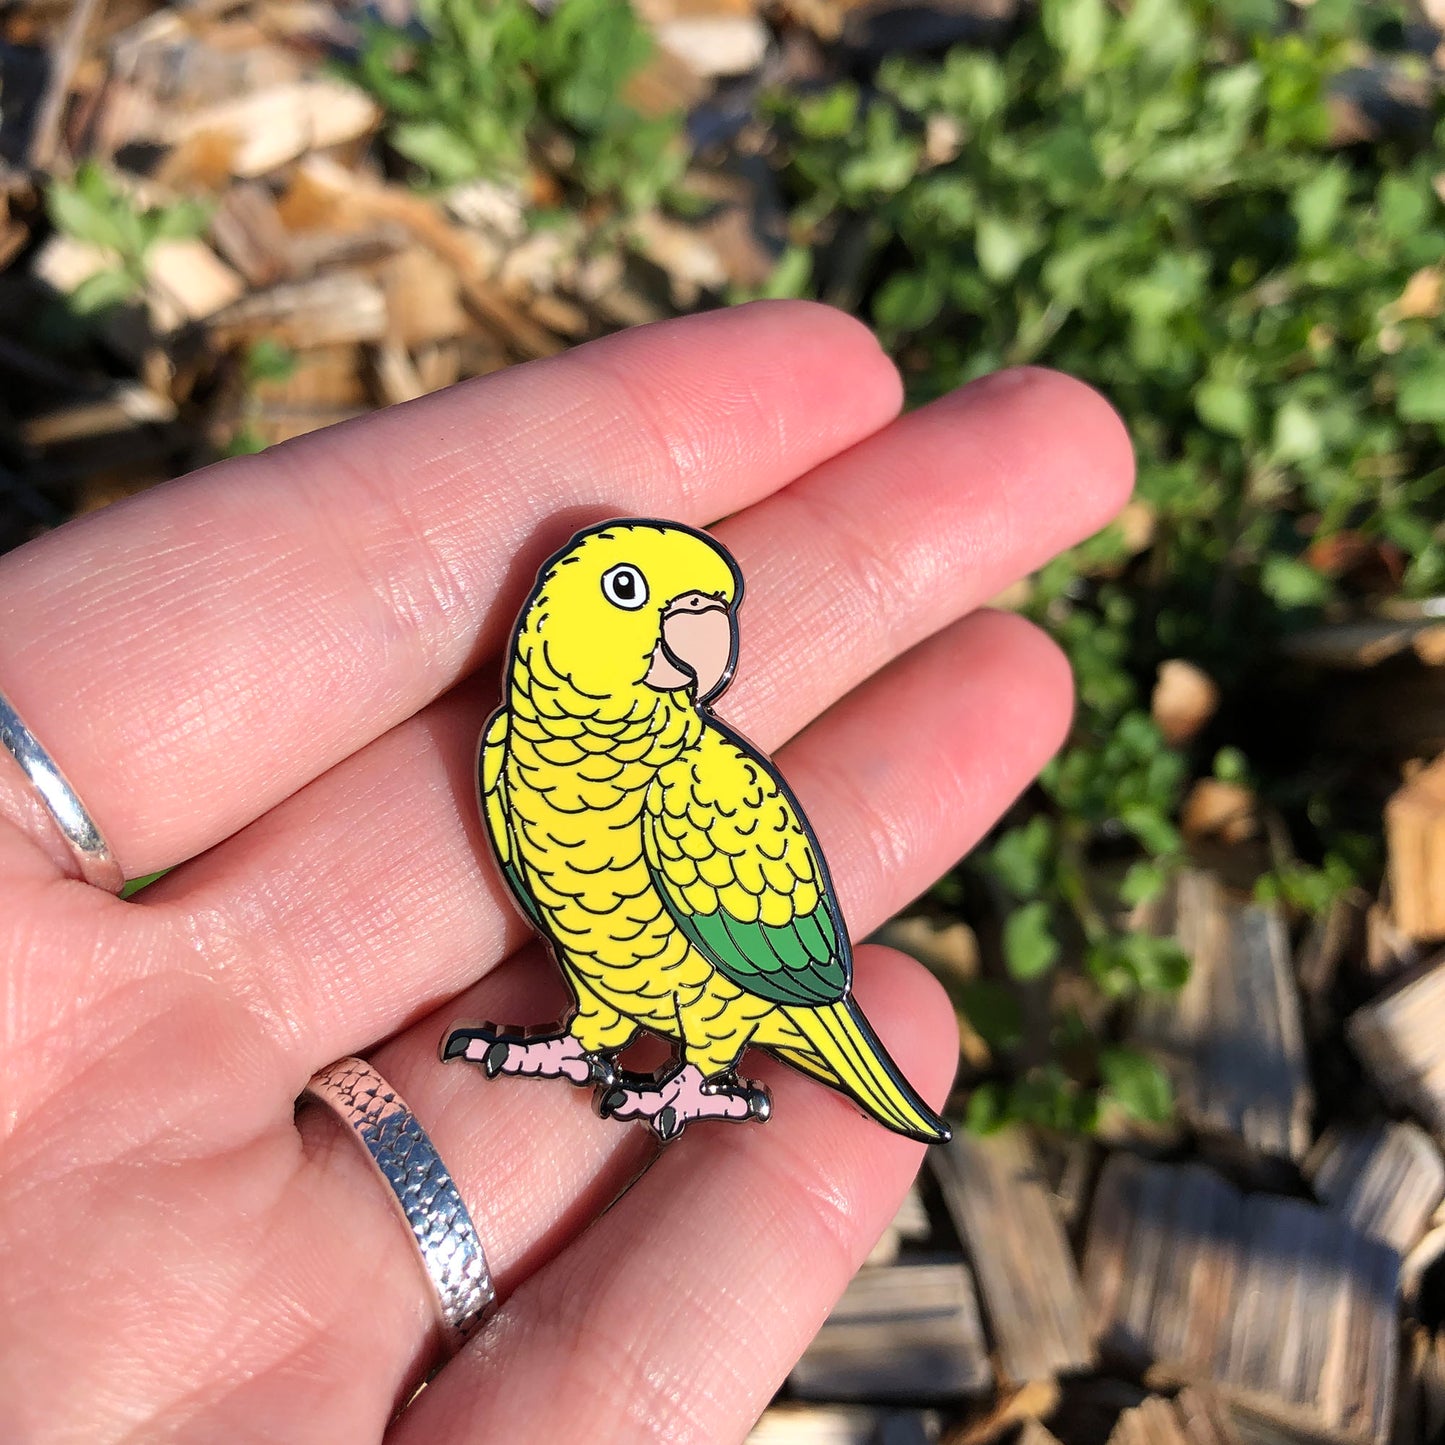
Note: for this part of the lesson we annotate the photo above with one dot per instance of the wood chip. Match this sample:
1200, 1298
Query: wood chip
275, 125
692, 266
1035, 1432
1386, 1179
1216, 809
1232, 1037
349, 194
904, 1332
1194, 1417
1400, 1038
841, 1425
713, 45
397, 379
188, 282
1415, 836
329, 310
1284, 1306
1185, 698
994, 1191
423, 299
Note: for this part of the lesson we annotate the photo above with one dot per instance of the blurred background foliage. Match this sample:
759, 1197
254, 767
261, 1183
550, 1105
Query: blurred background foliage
1155, 199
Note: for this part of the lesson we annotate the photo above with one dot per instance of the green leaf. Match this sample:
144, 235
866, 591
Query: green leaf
1421, 396
87, 209
908, 300
268, 360
1143, 882
180, 221
1137, 962
792, 275
1231, 766
1293, 583
1076, 29
1227, 406
103, 292
1138, 1084
1029, 946
1317, 204
995, 1013
1299, 434
987, 1110
1003, 245
1021, 858
830, 115
439, 150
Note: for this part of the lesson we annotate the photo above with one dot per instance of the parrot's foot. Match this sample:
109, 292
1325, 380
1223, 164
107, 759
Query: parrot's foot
551, 1056
671, 1103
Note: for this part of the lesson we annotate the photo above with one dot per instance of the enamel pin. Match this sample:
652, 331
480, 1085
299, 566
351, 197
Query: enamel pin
660, 854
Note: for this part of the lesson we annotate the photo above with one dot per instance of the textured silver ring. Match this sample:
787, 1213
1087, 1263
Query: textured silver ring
441, 1228
61, 802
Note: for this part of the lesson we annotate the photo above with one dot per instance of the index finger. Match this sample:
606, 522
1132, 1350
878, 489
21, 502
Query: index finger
194, 656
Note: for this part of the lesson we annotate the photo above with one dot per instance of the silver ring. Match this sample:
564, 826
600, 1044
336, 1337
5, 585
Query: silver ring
445, 1237
60, 801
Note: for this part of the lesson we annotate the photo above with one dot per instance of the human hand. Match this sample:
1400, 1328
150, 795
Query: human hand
264, 669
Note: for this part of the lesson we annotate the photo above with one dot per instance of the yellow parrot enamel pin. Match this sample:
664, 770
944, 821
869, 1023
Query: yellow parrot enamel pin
660, 855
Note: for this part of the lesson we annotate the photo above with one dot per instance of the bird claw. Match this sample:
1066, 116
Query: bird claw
551, 1056
669, 1104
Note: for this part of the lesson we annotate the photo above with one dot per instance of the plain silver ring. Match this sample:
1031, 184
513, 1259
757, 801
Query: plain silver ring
51, 788
441, 1228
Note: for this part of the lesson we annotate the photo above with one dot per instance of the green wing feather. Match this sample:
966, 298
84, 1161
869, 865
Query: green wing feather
725, 844
492, 788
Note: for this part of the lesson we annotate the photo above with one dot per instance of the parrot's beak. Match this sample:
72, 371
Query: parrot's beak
697, 646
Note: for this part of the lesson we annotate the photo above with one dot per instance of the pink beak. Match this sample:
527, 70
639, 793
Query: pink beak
696, 647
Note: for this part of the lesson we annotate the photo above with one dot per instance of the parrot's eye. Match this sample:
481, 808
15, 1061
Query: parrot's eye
624, 586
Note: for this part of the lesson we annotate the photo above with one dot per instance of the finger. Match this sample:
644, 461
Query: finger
926, 519
985, 703
680, 1311
194, 656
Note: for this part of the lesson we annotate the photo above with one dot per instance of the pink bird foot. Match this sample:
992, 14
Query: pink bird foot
546, 1056
672, 1102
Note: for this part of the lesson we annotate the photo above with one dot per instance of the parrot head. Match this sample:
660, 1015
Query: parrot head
632, 609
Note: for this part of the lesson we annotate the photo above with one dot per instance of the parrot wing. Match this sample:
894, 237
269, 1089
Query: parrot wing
492, 790
741, 876
738, 870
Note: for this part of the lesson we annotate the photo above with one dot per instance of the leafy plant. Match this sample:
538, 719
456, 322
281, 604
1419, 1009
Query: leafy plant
96, 208
1148, 197
491, 87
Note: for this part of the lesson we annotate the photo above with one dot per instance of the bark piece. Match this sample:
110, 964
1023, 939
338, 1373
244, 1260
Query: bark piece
1232, 1036
1386, 1179
1415, 836
423, 300
248, 232
1285, 1307
994, 1191
1401, 1039
904, 1332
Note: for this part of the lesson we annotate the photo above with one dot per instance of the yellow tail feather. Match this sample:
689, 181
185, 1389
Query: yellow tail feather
846, 1053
